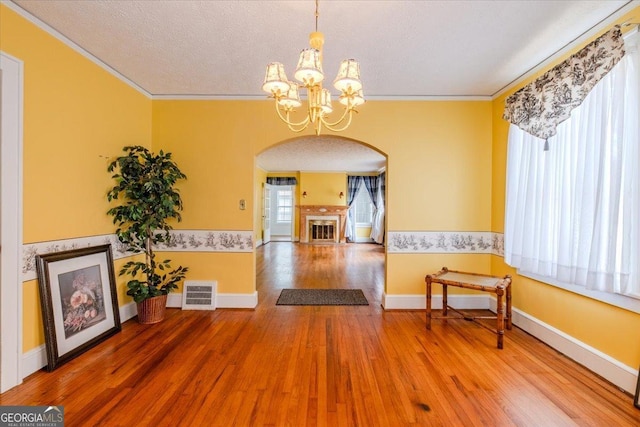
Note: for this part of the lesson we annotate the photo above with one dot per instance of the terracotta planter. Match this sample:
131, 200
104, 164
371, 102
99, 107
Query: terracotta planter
152, 310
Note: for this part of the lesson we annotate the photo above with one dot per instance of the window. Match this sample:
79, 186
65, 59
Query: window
363, 208
285, 205
573, 212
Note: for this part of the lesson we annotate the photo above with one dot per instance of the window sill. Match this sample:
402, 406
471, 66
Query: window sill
624, 302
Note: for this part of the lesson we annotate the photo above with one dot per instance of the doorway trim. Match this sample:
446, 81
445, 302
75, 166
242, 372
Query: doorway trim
11, 139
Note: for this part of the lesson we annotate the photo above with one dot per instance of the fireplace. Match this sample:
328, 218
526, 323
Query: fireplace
323, 231
322, 223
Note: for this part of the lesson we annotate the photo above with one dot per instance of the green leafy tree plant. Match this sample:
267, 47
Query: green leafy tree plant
145, 188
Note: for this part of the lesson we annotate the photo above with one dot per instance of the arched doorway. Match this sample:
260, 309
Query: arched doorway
321, 168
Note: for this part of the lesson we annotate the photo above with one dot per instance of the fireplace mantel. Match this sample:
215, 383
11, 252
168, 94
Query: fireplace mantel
320, 211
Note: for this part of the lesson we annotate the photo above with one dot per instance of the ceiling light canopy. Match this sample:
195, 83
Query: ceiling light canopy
310, 76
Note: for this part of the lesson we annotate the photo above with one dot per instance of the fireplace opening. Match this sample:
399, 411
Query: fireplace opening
322, 215
322, 231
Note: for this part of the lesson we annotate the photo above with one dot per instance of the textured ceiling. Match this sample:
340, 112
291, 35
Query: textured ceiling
321, 153
406, 49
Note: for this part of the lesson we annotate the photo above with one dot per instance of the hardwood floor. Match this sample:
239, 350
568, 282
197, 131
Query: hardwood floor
322, 366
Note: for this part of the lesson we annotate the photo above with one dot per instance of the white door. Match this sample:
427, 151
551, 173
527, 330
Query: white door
282, 213
266, 214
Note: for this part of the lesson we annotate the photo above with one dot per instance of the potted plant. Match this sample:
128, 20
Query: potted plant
145, 187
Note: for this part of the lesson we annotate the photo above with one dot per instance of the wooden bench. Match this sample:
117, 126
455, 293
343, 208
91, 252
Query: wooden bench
501, 286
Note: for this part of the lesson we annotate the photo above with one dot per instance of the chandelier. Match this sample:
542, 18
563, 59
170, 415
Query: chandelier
310, 76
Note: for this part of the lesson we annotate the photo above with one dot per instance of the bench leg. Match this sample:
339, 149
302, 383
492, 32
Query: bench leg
500, 318
509, 307
428, 281
445, 304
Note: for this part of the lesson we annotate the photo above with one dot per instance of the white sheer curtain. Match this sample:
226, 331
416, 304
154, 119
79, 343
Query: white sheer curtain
377, 227
573, 212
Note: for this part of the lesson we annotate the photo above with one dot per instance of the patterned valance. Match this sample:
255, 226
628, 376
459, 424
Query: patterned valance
281, 180
541, 105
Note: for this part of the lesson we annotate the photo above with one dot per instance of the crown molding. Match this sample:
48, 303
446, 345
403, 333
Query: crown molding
595, 30
71, 44
370, 98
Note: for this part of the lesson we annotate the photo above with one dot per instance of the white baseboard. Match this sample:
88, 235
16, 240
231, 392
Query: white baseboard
237, 300
223, 300
34, 360
419, 302
174, 300
591, 358
128, 311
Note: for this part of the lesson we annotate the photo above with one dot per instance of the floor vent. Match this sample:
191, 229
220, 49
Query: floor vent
198, 295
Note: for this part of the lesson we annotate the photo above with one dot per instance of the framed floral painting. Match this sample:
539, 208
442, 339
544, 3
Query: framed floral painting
78, 300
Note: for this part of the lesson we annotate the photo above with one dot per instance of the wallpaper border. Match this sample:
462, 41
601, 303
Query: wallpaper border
445, 242
181, 241
399, 242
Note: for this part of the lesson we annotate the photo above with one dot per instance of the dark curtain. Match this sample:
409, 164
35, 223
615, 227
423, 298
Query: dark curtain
281, 180
371, 184
353, 184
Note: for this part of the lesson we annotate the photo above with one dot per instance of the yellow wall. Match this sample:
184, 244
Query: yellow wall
234, 272
214, 148
76, 116
323, 188
438, 175
602, 326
